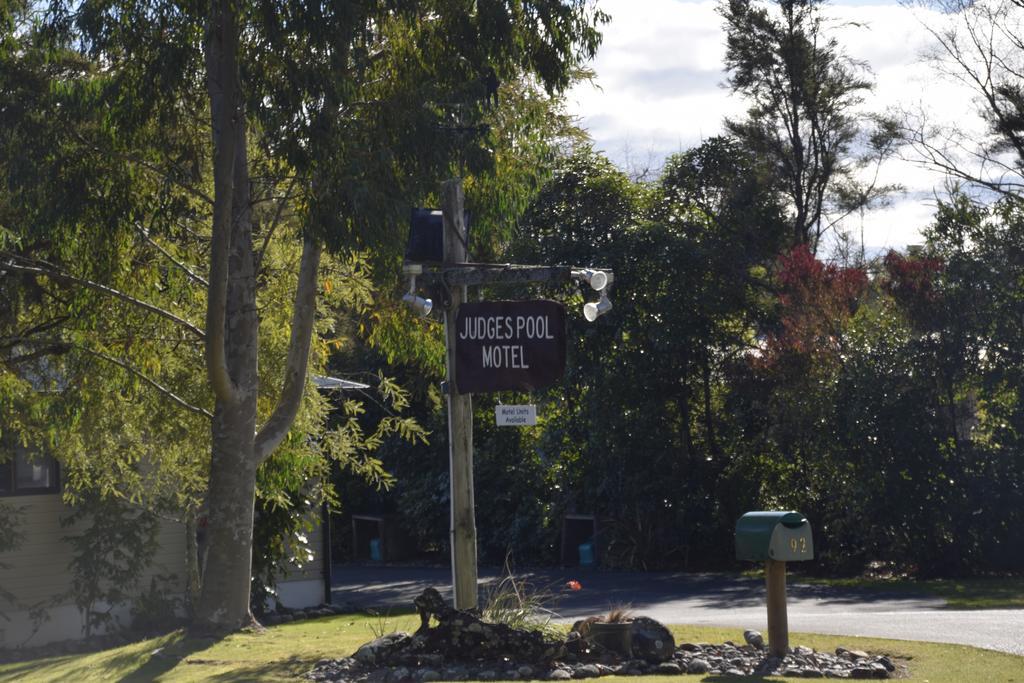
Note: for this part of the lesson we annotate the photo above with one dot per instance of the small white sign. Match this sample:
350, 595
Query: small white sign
515, 416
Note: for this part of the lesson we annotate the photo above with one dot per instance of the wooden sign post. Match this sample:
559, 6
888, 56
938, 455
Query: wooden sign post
536, 337
460, 414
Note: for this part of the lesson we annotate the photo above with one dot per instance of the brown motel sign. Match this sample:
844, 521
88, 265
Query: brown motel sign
509, 345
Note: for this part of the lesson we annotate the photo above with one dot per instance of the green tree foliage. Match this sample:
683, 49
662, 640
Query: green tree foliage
641, 395
530, 130
877, 408
326, 123
100, 355
784, 391
971, 310
736, 373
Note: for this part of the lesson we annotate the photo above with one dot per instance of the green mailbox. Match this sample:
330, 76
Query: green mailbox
779, 536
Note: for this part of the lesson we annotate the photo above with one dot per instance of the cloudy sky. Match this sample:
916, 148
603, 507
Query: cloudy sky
659, 90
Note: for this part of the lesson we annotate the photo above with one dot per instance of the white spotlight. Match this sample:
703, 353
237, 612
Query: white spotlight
597, 279
418, 303
595, 309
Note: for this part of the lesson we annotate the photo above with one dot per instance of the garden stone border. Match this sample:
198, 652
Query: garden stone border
726, 659
461, 646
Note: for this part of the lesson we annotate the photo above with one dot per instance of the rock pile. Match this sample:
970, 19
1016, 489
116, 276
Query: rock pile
463, 635
690, 658
730, 659
463, 647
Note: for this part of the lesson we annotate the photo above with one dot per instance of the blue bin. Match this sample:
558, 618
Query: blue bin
587, 554
375, 549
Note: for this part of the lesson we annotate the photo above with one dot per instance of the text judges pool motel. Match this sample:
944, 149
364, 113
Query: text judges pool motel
507, 328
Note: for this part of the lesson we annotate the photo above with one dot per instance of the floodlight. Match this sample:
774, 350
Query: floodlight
597, 279
418, 303
595, 309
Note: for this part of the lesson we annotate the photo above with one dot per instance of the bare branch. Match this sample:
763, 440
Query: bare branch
26, 334
164, 391
42, 268
55, 349
188, 271
981, 52
274, 223
149, 166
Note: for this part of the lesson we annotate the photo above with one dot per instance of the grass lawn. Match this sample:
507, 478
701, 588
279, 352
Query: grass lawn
984, 593
286, 651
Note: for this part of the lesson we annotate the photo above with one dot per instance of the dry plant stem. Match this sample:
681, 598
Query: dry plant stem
619, 614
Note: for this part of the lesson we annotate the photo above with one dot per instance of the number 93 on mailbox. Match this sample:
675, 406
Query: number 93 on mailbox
779, 536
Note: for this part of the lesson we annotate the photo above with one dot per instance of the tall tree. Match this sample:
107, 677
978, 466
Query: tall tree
101, 285
351, 106
803, 93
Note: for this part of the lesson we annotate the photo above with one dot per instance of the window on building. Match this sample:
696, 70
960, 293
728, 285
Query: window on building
26, 472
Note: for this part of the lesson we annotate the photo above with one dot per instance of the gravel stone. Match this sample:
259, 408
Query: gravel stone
698, 666
586, 671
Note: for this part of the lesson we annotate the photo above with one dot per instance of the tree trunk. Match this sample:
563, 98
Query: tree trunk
232, 345
224, 605
192, 564
709, 417
231, 496
683, 401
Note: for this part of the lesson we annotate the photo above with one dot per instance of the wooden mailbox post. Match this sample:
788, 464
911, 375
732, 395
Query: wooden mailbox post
775, 538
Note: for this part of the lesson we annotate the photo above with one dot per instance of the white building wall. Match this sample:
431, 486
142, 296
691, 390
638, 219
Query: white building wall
304, 586
37, 572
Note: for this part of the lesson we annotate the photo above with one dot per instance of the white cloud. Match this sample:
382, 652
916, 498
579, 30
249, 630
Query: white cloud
659, 72
898, 225
660, 76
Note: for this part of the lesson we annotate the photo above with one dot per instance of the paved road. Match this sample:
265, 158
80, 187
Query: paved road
713, 599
